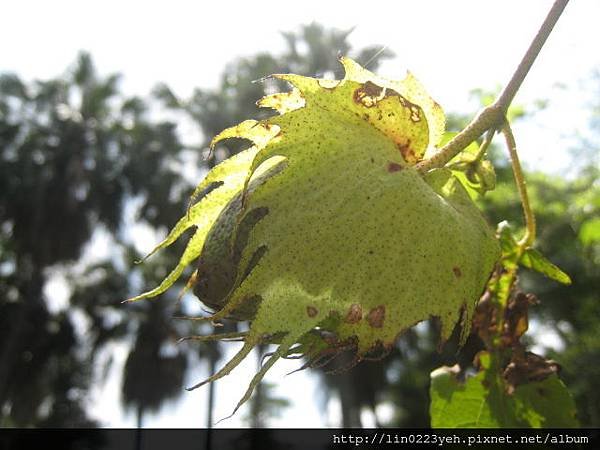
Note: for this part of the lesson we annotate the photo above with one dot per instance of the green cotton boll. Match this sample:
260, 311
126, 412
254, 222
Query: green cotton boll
324, 235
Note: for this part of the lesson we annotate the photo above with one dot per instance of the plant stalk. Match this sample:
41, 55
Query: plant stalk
529, 236
493, 116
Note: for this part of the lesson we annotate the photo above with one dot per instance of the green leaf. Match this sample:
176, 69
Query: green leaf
477, 175
508, 245
478, 402
459, 405
545, 404
486, 175
532, 259
482, 402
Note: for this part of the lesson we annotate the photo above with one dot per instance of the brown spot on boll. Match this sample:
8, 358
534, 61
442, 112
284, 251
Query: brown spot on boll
407, 152
457, 271
393, 167
354, 314
376, 316
311, 311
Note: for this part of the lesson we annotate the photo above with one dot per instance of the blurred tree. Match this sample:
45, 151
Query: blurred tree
73, 151
155, 367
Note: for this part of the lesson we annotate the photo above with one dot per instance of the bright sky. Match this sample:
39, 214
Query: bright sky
451, 47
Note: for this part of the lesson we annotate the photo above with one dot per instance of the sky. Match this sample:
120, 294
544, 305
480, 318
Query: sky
452, 47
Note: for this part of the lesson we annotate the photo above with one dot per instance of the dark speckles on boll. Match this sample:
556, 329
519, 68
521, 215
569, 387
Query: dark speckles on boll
311, 311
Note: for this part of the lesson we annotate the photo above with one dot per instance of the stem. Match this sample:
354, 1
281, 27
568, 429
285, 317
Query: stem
487, 140
487, 119
509, 92
493, 116
529, 236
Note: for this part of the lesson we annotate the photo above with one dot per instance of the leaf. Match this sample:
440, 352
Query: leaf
345, 238
482, 402
486, 175
508, 245
476, 174
545, 404
479, 402
532, 259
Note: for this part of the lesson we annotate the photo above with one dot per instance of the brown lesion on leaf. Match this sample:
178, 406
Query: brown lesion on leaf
407, 152
457, 272
523, 366
516, 320
514, 323
354, 314
527, 367
415, 110
369, 94
376, 316
311, 311
393, 167
415, 113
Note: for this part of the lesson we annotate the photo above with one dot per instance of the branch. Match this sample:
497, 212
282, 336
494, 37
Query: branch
529, 237
493, 116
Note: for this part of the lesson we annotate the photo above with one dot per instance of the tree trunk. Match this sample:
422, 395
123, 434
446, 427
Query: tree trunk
138, 434
31, 283
350, 406
256, 409
211, 393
